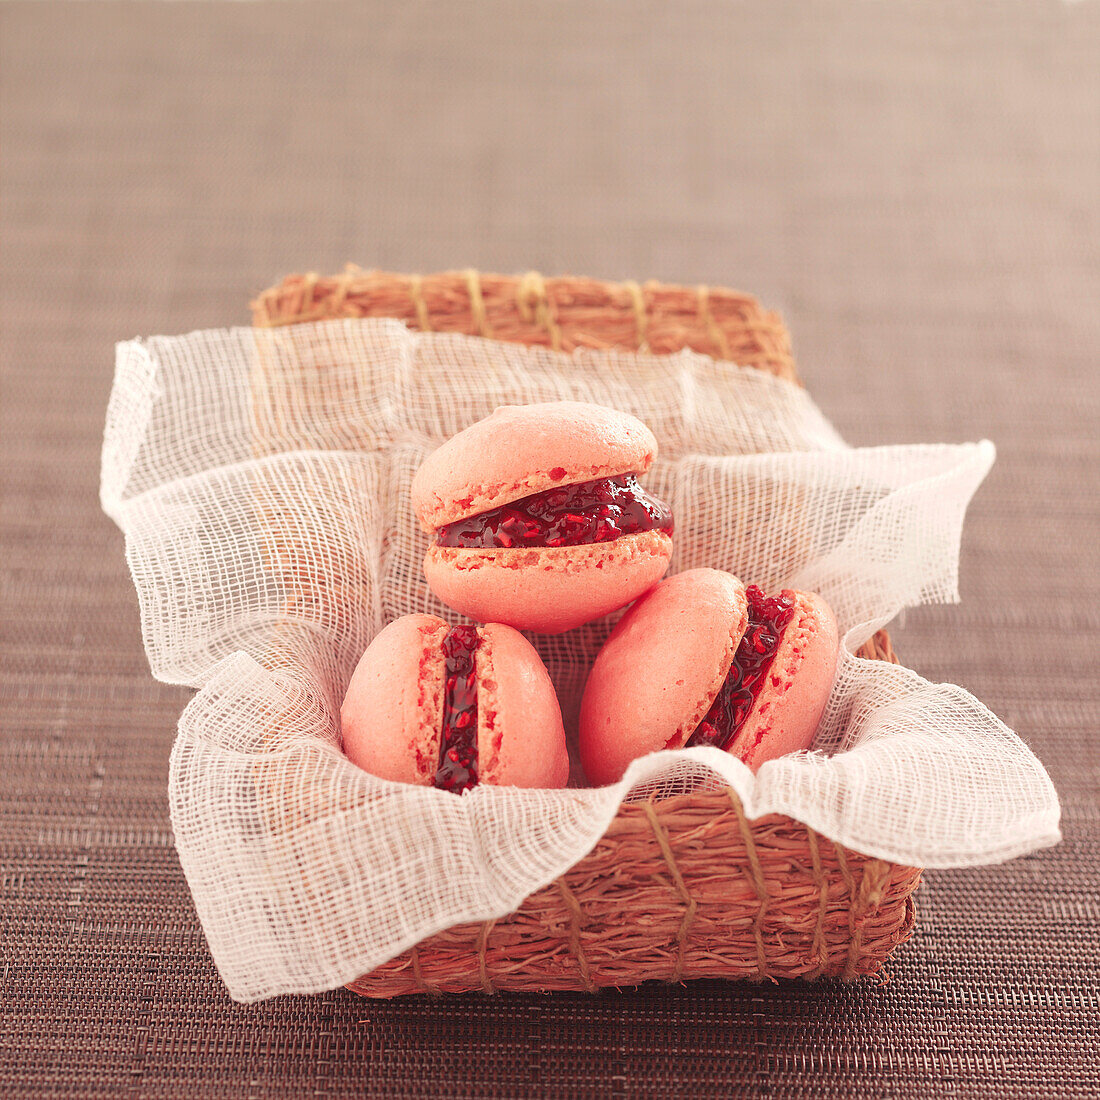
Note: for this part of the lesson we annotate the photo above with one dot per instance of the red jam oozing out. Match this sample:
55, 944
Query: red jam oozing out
768, 618
567, 515
457, 769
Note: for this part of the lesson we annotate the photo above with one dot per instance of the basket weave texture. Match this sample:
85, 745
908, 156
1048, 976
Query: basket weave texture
561, 313
681, 887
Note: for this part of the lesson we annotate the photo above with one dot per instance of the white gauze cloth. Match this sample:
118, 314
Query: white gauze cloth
261, 478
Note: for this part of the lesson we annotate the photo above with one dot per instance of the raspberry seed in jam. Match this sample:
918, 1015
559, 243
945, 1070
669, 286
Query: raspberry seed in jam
769, 616
566, 515
457, 769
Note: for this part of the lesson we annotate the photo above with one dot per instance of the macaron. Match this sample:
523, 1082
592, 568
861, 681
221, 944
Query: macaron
452, 707
537, 519
701, 660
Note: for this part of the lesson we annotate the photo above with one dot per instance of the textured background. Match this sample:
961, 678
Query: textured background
916, 186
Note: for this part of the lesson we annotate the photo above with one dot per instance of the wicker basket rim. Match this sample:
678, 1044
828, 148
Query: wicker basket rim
561, 312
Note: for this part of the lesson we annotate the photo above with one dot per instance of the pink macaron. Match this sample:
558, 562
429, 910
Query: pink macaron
537, 518
701, 660
452, 707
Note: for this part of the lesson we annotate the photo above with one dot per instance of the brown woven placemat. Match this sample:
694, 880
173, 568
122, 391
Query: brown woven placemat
915, 188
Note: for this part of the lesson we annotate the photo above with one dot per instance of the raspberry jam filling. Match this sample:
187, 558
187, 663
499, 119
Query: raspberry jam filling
567, 515
768, 618
457, 769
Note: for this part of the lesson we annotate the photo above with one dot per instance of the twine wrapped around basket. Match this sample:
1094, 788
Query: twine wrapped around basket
680, 887
561, 313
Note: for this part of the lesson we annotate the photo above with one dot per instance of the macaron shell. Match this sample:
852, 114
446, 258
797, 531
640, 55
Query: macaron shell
547, 589
788, 707
521, 742
660, 669
392, 712
524, 449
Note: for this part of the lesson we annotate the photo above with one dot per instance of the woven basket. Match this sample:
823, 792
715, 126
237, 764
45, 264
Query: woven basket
681, 887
